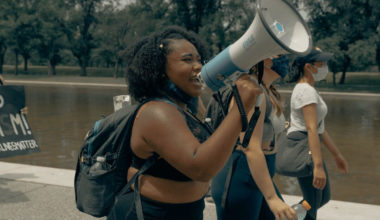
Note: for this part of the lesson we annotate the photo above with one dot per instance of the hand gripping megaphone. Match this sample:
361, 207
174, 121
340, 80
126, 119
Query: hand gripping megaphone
276, 29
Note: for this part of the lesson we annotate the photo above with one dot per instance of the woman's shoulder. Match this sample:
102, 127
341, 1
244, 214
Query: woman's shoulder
303, 94
157, 114
160, 107
304, 88
303, 85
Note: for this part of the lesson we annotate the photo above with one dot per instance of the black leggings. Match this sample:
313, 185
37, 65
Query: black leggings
124, 209
245, 200
315, 197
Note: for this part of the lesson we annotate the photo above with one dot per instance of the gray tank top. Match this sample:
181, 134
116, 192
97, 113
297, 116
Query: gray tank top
268, 130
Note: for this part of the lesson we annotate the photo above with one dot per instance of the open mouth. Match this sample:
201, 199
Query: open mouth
196, 80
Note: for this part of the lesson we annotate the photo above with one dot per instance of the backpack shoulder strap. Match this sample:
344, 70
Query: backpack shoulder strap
251, 127
148, 163
135, 180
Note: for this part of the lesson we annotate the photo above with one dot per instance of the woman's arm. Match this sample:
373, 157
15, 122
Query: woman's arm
310, 116
260, 173
339, 159
161, 128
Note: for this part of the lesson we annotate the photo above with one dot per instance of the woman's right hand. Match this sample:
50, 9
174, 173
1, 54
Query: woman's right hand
319, 180
249, 89
280, 209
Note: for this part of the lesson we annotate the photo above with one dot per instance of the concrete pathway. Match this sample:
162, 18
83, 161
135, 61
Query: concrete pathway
43, 193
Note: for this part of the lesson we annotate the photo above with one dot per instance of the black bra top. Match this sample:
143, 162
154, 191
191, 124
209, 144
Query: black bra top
162, 168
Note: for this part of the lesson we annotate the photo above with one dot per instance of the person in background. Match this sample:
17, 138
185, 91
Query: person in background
251, 193
307, 113
1, 80
164, 67
23, 110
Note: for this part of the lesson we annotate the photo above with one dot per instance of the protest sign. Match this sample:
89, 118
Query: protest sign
16, 136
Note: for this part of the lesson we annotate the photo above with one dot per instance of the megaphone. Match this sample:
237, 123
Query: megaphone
276, 29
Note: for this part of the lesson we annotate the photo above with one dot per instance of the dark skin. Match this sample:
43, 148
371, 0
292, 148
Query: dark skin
161, 128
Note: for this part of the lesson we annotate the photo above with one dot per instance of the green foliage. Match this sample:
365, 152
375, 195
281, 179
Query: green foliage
220, 23
115, 25
65, 71
192, 14
51, 36
20, 26
79, 25
363, 54
145, 17
349, 29
95, 31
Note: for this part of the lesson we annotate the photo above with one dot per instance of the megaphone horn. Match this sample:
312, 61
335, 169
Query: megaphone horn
276, 29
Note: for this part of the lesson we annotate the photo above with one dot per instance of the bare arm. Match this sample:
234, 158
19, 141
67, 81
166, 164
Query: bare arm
260, 173
310, 116
161, 128
339, 159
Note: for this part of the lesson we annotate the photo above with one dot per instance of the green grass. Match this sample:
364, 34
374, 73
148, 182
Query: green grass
355, 81
61, 71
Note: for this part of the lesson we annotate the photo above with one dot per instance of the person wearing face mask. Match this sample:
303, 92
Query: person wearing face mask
307, 113
244, 188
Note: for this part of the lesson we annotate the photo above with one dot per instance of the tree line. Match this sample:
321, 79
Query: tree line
94, 32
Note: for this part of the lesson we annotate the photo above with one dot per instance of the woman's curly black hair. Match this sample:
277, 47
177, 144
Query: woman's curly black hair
146, 60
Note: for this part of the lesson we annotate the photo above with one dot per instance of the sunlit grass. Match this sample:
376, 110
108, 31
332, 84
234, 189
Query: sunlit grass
355, 81
62, 71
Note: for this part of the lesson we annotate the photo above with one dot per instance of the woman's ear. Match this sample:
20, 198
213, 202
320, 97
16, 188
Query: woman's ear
310, 68
268, 63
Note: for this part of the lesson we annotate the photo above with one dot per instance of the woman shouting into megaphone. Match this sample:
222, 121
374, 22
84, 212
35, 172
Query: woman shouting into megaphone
162, 70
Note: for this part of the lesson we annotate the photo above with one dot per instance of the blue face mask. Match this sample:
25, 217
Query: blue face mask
281, 65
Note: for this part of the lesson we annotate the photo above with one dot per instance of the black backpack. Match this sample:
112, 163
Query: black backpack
106, 148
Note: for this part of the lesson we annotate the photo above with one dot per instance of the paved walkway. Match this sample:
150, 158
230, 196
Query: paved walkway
43, 193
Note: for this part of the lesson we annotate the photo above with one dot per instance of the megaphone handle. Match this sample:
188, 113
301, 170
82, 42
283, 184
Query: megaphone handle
239, 103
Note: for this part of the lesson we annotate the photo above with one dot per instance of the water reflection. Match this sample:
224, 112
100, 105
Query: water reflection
61, 115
